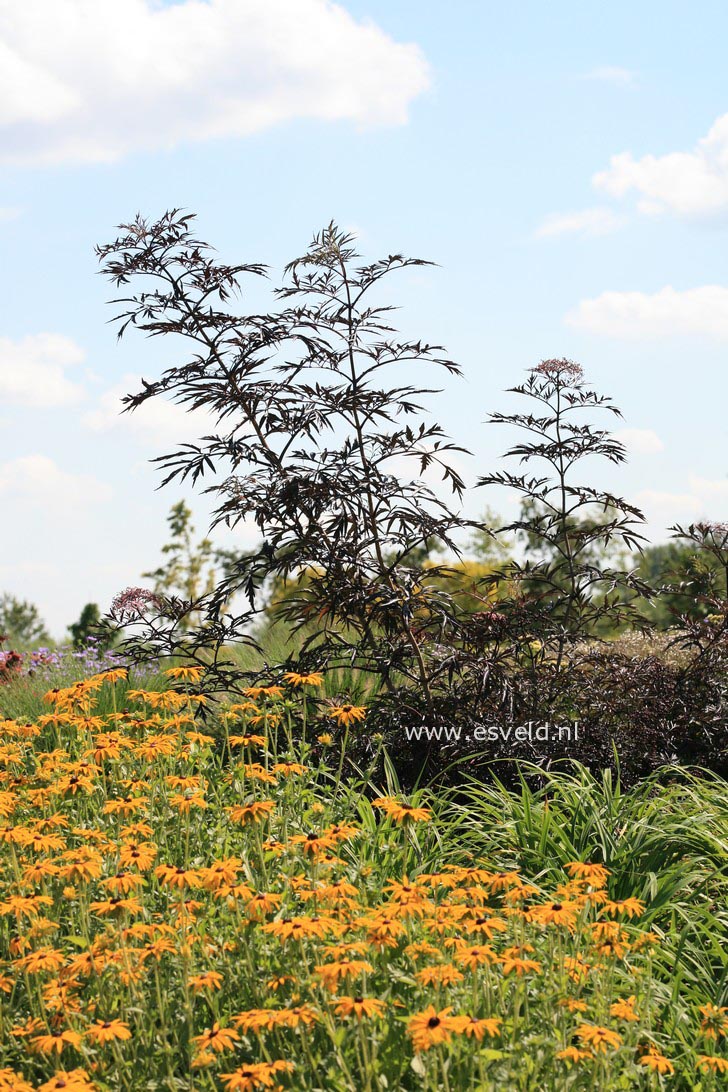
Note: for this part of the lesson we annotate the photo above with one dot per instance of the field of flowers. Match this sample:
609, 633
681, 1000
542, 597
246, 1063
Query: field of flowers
192, 900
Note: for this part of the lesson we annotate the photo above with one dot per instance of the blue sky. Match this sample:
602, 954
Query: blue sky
565, 164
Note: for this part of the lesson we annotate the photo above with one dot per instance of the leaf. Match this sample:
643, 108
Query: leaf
418, 1066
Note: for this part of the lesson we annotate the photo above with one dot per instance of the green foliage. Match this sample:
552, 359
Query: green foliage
85, 627
188, 569
690, 573
20, 622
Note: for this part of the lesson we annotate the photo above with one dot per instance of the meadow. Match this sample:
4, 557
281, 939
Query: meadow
232, 861
222, 899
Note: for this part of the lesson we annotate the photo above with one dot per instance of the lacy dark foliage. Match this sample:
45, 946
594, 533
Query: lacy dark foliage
570, 591
315, 426
312, 445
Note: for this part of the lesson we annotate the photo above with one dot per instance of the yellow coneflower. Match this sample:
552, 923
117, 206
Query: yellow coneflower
256, 772
10, 1081
187, 674
595, 874
139, 855
313, 844
288, 769
360, 1007
513, 961
477, 1027
331, 973
485, 924
473, 956
107, 1031
711, 1063
249, 740
216, 1038
279, 981
624, 1009
42, 961
597, 1038
656, 1061
255, 1075
208, 980
117, 904
74, 1080
123, 882
573, 1055
254, 812
630, 907
429, 1028
263, 692
300, 927
441, 974
714, 1024
554, 913
402, 813
347, 714
313, 678
171, 876
263, 903
55, 1042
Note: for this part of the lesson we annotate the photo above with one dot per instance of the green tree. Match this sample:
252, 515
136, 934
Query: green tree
86, 625
686, 578
20, 621
187, 571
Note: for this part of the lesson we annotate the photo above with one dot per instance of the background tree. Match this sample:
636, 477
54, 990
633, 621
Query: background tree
684, 578
188, 570
20, 622
86, 626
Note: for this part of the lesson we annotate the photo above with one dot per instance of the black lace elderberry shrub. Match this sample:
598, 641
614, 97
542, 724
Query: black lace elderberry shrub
315, 427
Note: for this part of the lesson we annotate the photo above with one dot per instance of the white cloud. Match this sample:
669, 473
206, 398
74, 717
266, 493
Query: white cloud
609, 73
689, 183
713, 493
587, 222
8, 213
663, 509
640, 441
39, 483
156, 423
706, 499
33, 370
92, 80
666, 313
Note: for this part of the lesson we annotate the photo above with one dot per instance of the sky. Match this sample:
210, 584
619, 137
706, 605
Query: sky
565, 165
